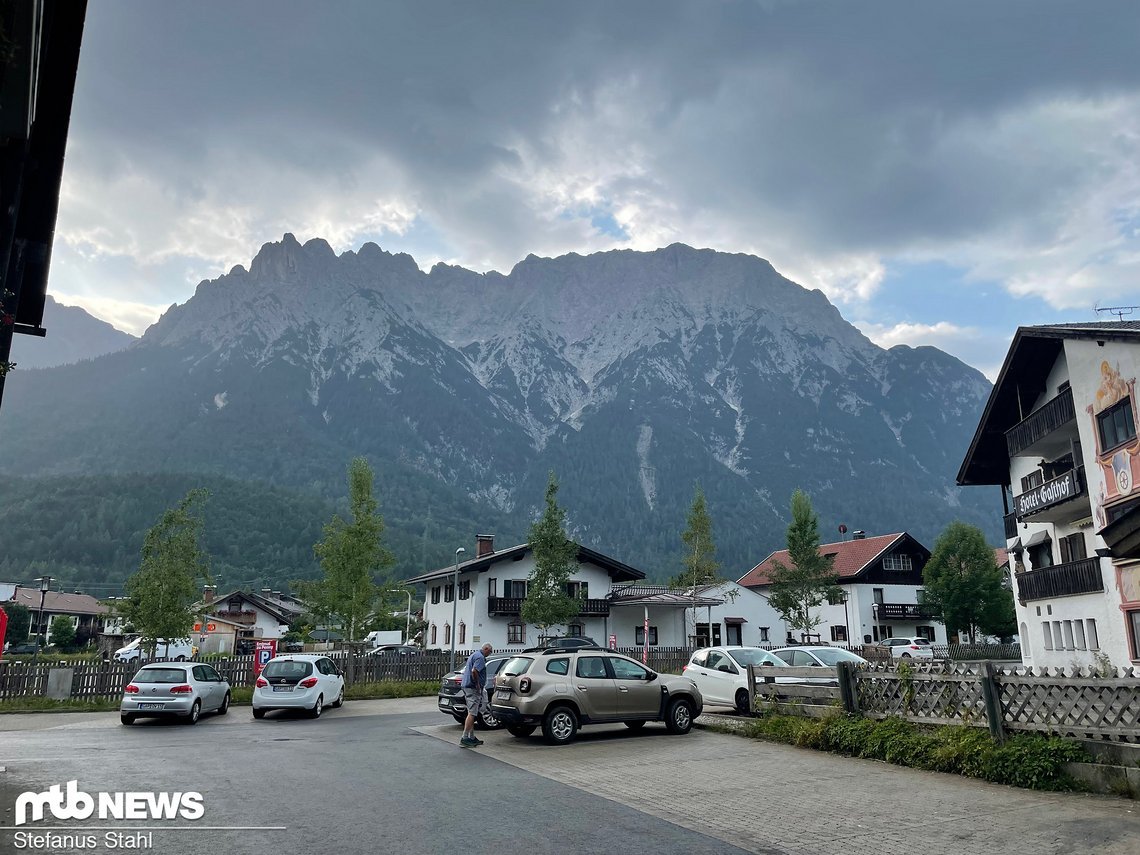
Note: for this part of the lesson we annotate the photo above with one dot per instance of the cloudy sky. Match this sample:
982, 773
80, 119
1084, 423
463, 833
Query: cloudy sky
943, 171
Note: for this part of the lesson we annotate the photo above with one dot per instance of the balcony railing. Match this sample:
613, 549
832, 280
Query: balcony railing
238, 616
513, 606
1054, 414
1010, 520
1061, 580
904, 611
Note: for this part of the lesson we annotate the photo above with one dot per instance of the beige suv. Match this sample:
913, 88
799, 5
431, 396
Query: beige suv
562, 690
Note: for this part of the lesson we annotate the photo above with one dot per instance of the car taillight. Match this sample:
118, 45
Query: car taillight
261, 683
524, 685
914, 647
184, 689
308, 682
131, 689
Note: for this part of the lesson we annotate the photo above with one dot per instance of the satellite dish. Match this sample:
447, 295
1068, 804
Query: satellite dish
842, 528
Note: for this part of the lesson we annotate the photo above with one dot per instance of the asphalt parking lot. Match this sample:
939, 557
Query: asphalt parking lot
389, 776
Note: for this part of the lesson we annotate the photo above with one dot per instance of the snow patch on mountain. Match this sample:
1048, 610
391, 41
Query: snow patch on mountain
646, 473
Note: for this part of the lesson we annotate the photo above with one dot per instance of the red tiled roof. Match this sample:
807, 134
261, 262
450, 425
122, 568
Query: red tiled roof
1001, 556
57, 602
851, 556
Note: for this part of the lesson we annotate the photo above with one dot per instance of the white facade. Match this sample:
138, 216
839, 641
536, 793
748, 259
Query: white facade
503, 580
1058, 628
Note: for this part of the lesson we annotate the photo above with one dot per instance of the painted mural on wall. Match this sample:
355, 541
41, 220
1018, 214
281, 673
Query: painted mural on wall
1118, 464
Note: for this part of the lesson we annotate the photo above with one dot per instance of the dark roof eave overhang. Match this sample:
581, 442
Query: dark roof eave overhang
1026, 366
618, 571
1122, 536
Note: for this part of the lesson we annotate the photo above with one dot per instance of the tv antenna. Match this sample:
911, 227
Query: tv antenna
1120, 311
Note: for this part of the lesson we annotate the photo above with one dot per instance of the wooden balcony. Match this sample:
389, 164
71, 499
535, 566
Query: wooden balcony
1010, 521
905, 611
1060, 580
513, 606
1052, 415
244, 618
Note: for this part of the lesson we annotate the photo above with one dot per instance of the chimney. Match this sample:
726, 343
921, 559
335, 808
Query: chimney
208, 594
276, 593
858, 535
484, 544
266, 591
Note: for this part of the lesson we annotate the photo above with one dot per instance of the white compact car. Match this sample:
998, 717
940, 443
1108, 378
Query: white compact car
178, 650
298, 681
721, 673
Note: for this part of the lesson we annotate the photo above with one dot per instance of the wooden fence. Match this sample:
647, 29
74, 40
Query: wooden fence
105, 680
1077, 702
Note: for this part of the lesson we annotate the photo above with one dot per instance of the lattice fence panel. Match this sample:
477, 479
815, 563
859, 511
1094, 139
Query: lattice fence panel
1081, 703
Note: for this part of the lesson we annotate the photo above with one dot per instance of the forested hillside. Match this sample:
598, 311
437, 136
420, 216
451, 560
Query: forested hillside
87, 531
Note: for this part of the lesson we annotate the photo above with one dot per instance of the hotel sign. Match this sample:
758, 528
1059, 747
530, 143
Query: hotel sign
1054, 492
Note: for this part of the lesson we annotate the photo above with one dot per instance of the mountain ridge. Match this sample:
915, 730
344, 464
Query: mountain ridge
632, 375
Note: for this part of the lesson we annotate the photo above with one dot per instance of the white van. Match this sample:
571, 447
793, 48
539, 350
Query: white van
379, 637
178, 650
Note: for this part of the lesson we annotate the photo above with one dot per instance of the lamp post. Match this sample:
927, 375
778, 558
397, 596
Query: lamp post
45, 585
455, 602
875, 618
408, 624
846, 620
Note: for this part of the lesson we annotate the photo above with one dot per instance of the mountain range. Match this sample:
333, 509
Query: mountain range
631, 375
73, 335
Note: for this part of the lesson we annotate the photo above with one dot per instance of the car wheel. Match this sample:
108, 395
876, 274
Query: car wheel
127, 718
743, 704
488, 720
339, 702
520, 729
906, 656
680, 716
179, 658
258, 713
225, 707
635, 725
195, 713
318, 707
559, 725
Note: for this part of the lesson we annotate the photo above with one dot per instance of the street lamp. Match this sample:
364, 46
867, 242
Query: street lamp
45, 585
875, 618
846, 619
455, 602
408, 625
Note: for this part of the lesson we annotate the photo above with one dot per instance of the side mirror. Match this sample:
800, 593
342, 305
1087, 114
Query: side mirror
767, 664
652, 676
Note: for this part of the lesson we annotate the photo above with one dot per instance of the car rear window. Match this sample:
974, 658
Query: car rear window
517, 665
921, 641
289, 669
160, 675
699, 657
558, 666
834, 654
752, 656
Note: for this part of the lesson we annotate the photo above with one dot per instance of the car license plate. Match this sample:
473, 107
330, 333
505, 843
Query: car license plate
282, 688
151, 706
502, 695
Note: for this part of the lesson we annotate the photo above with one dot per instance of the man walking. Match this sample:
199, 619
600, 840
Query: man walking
474, 685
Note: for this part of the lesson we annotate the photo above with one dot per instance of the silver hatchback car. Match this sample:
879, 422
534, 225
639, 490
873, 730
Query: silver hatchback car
170, 689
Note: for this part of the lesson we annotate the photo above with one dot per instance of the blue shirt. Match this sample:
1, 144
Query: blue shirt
475, 671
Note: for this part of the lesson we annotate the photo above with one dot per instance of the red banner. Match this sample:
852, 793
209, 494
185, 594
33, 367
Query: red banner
263, 651
3, 629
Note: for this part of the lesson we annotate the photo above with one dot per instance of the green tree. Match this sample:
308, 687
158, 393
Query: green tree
163, 595
19, 622
351, 554
62, 634
963, 584
699, 552
798, 588
548, 602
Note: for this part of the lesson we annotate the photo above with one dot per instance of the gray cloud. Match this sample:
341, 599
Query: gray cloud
825, 136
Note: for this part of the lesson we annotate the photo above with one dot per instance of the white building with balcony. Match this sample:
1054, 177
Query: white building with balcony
881, 581
480, 599
1058, 436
